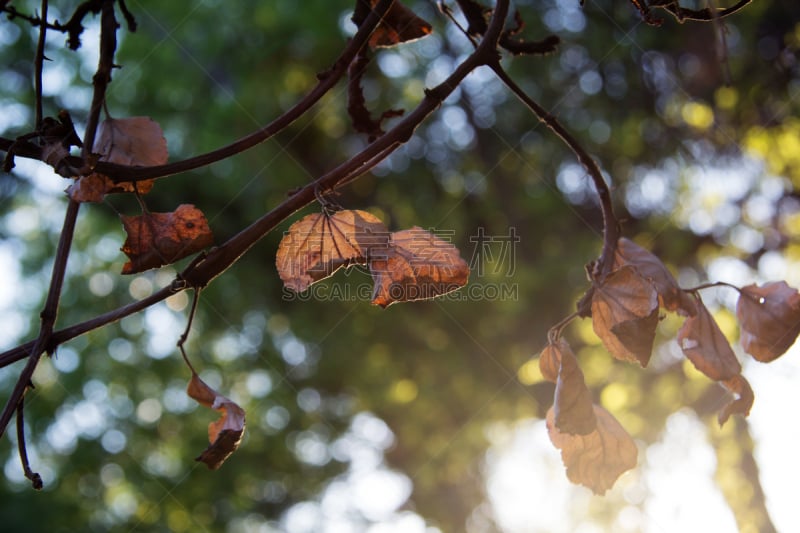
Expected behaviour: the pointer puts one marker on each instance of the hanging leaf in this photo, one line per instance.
(318, 245)
(156, 239)
(550, 359)
(417, 265)
(134, 141)
(706, 347)
(625, 315)
(573, 409)
(598, 459)
(650, 267)
(740, 405)
(770, 319)
(399, 25)
(224, 434)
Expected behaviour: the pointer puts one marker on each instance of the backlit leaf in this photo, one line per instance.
(706, 347)
(225, 433)
(770, 319)
(625, 314)
(134, 141)
(319, 244)
(598, 459)
(415, 266)
(156, 239)
(650, 267)
(573, 401)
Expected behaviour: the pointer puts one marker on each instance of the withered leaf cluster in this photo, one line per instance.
(153, 239)
(412, 264)
(625, 306)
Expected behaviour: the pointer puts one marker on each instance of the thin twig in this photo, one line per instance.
(36, 479)
(63, 335)
(611, 230)
(39, 66)
(185, 335)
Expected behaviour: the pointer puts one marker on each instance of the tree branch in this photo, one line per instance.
(101, 79)
(327, 80)
(201, 272)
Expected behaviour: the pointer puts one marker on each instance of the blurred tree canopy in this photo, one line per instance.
(695, 126)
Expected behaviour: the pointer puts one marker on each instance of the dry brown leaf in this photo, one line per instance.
(156, 239)
(573, 409)
(625, 314)
(706, 347)
(740, 405)
(399, 25)
(134, 141)
(550, 359)
(770, 319)
(595, 460)
(650, 267)
(224, 434)
(417, 265)
(318, 245)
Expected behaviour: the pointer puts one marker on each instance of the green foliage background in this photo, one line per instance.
(438, 373)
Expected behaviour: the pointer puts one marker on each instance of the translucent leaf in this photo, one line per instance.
(573, 409)
(134, 141)
(598, 459)
(770, 319)
(318, 245)
(706, 347)
(650, 267)
(416, 265)
(625, 315)
(156, 239)
(224, 434)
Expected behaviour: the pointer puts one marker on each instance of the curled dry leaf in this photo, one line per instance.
(625, 314)
(156, 239)
(318, 245)
(574, 413)
(706, 347)
(550, 359)
(224, 434)
(650, 267)
(742, 403)
(595, 460)
(416, 265)
(770, 319)
(134, 141)
(399, 25)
